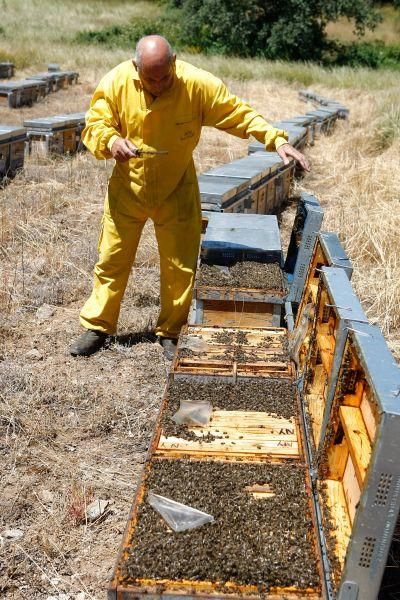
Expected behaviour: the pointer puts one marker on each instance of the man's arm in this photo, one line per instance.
(227, 112)
(102, 134)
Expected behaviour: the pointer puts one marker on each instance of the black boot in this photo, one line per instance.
(88, 343)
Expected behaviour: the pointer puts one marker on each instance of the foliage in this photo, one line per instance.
(366, 54)
(292, 30)
(127, 35)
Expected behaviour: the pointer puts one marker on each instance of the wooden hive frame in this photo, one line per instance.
(249, 435)
(209, 357)
(359, 471)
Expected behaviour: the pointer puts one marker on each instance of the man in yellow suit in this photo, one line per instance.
(150, 104)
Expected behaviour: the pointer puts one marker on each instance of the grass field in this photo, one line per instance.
(75, 430)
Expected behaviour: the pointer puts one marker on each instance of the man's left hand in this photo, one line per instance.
(286, 151)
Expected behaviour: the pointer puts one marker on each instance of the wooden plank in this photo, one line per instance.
(339, 515)
(337, 460)
(369, 416)
(326, 345)
(357, 439)
(209, 589)
(351, 488)
(261, 492)
(316, 407)
(355, 399)
(239, 433)
(319, 381)
(232, 314)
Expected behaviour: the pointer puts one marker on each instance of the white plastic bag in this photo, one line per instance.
(178, 516)
(192, 412)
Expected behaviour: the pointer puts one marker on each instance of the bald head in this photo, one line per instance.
(153, 50)
(155, 63)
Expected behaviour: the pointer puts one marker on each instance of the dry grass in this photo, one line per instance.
(387, 31)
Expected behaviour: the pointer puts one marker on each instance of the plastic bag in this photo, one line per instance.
(178, 516)
(192, 412)
(194, 344)
(298, 335)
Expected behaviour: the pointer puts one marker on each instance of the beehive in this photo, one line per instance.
(359, 474)
(336, 311)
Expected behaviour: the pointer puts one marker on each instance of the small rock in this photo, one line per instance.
(96, 509)
(12, 534)
(47, 496)
(34, 354)
(44, 312)
(80, 596)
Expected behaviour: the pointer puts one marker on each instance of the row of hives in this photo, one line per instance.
(25, 92)
(297, 464)
(60, 134)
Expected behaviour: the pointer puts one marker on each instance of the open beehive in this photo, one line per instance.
(231, 557)
(359, 476)
(328, 252)
(336, 310)
(251, 419)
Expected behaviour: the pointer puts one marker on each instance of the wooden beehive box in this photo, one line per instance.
(359, 470)
(328, 252)
(336, 310)
(251, 352)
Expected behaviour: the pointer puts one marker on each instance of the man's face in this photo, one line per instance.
(157, 78)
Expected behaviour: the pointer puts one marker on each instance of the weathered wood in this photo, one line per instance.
(351, 488)
(233, 314)
(326, 345)
(357, 439)
(337, 460)
(339, 515)
(369, 416)
(261, 492)
(316, 406)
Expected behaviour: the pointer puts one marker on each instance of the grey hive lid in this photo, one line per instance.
(11, 131)
(9, 86)
(251, 168)
(300, 120)
(242, 221)
(272, 159)
(220, 188)
(54, 122)
(260, 241)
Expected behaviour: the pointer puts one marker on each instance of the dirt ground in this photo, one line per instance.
(76, 430)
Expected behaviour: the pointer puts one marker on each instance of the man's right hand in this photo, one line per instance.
(122, 150)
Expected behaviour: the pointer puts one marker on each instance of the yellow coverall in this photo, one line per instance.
(163, 188)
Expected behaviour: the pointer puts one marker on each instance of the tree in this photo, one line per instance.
(292, 30)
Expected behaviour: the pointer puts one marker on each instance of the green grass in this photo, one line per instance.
(51, 26)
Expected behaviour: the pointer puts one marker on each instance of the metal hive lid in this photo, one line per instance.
(344, 300)
(220, 188)
(16, 85)
(331, 246)
(12, 131)
(242, 221)
(381, 370)
(251, 168)
(239, 238)
(273, 160)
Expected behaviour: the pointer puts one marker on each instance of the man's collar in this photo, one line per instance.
(135, 74)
